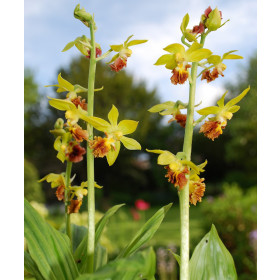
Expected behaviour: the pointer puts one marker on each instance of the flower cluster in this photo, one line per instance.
(119, 60)
(213, 128)
(179, 58)
(180, 172)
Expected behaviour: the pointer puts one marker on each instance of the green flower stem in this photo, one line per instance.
(184, 193)
(90, 158)
(67, 199)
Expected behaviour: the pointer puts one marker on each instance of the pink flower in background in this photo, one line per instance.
(142, 205)
(135, 214)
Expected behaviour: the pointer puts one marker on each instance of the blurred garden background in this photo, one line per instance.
(231, 195)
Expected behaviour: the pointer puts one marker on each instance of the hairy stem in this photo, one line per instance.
(184, 193)
(90, 158)
(67, 199)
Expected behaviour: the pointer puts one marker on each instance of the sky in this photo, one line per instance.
(50, 25)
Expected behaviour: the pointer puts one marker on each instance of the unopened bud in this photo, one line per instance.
(189, 35)
(59, 123)
(82, 15)
(214, 20)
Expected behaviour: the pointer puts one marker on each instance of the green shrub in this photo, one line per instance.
(235, 215)
(32, 189)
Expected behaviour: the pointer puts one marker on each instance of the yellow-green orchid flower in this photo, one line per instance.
(123, 52)
(178, 60)
(216, 61)
(83, 44)
(177, 167)
(72, 114)
(223, 112)
(55, 179)
(65, 86)
(115, 134)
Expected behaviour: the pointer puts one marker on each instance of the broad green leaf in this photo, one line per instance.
(184, 23)
(68, 46)
(113, 116)
(31, 267)
(136, 42)
(175, 48)
(211, 259)
(198, 55)
(164, 59)
(237, 98)
(166, 158)
(233, 56)
(113, 153)
(214, 59)
(208, 110)
(127, 126)
(221, 101)
(159, 107)
(139, 266)
(145, 233)
(130, 144)
(116, 48)
(100, 256)
(80, 254)
(78, 234)
(49, 248)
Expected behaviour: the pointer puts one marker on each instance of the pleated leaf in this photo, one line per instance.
(80, 254)
(211, 259)
(145, 233)
(139, 266)
(49, 248)
(31, 266)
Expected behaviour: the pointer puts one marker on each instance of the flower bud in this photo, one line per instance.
(214, 20)
(82, 15)
(59, 123)
(189, 35)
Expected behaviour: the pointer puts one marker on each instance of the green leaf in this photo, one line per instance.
(139, 266)
(136, 42)
(80, 254)
(208, 110)
(177, 257)
(237, 98)
(68, 46)
(145, 233)
(185, 23)
(49, 248)
(78, 234)
(100, 256)
(211, 259)
(31, 267)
